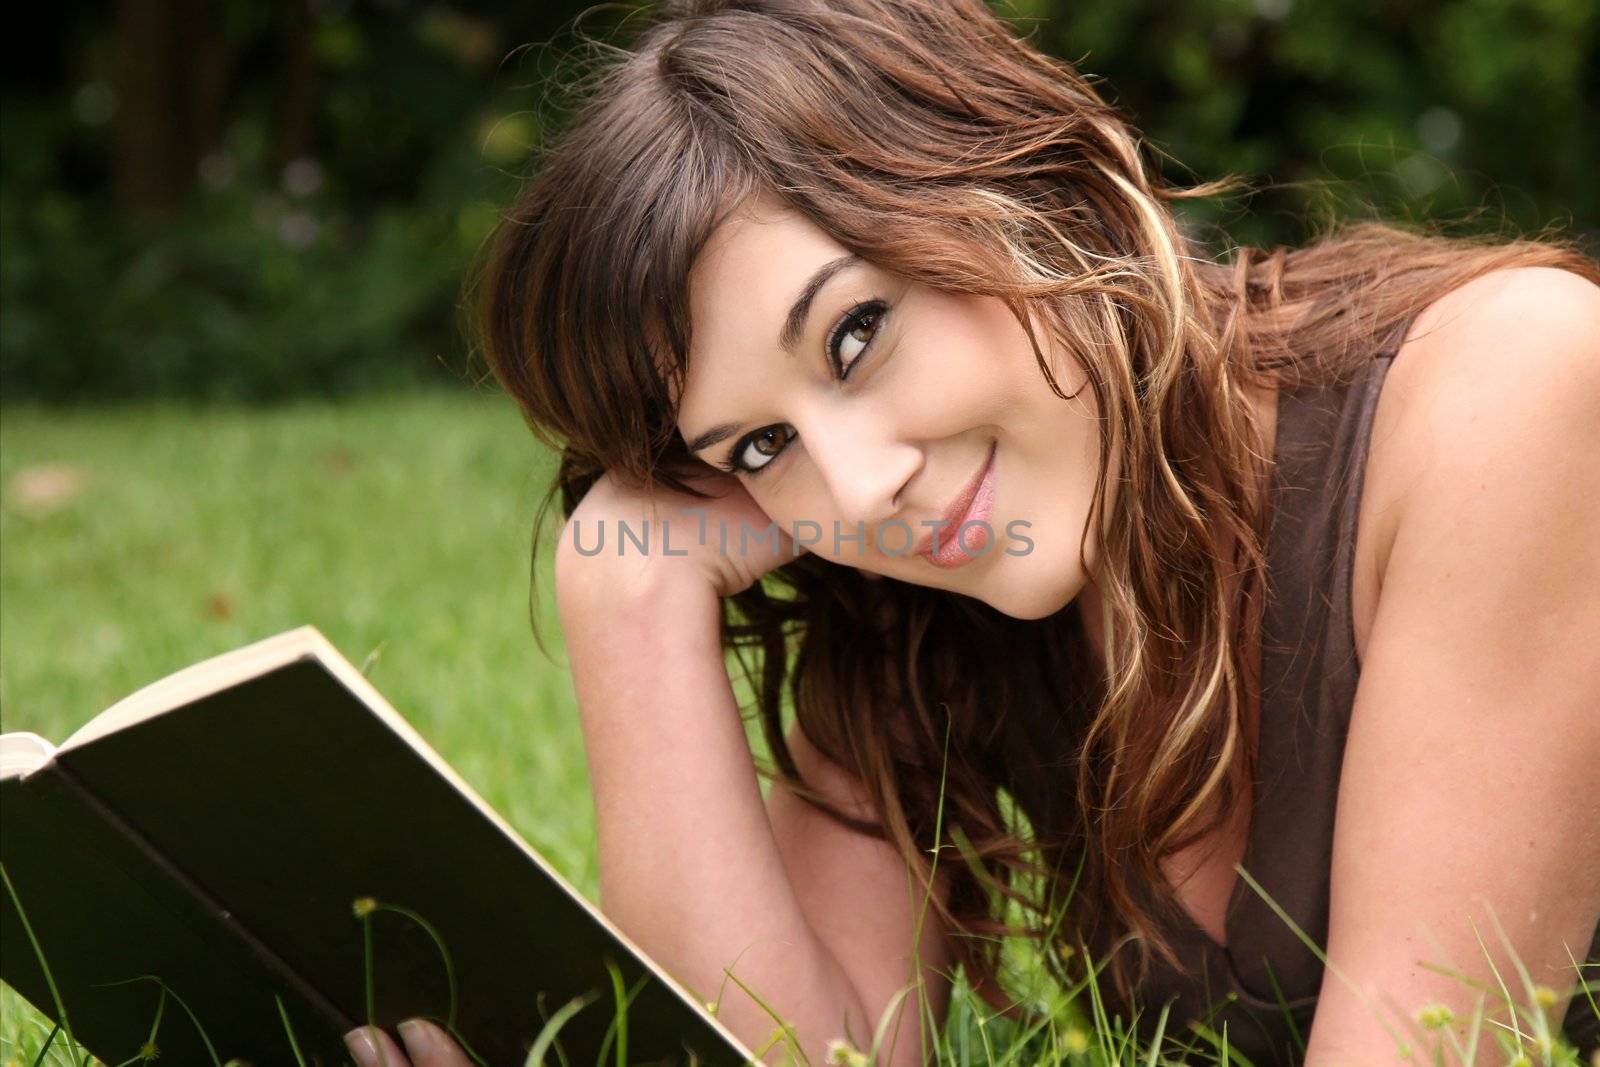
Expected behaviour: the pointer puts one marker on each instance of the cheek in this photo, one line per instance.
(972, 367)
(991, 347)
(800, 499)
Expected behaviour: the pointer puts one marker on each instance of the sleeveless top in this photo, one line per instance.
(1309, 670)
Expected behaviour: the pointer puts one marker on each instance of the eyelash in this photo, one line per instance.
(851, 319)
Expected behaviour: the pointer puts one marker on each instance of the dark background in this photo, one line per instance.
(245, 200)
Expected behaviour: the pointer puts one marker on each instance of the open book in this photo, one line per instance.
(214, 831)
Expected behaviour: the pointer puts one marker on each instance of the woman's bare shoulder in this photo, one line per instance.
(1521, 334)
(1499, 321)
(1518, 335)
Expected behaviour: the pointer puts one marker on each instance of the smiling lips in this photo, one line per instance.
(974, 503)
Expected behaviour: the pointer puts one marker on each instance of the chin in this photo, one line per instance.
(1029, 607)
(1032, 594)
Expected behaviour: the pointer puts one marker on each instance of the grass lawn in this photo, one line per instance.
(137, 540)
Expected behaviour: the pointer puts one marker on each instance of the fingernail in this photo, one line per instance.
(362, 1047)
(418, 1037)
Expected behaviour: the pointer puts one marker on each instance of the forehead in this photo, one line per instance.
(747, 276)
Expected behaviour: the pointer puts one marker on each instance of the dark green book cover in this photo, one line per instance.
(214, 831)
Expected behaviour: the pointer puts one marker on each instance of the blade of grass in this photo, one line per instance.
(884, 1020)
(444, 954)
(925, 1010)
(1161, 1029)
(48, 1041)
(786, 1031)
(1505, 991)
(618, 991)
(150, 1050)
(205, 1038)
(617, 1031)
(288, 1031)
(561, 1055)
(1288, 1016)
(1228, 1054)
(49, 979)
(548, 1033)
(1316, 950)
(1583, 985)
(363, 907)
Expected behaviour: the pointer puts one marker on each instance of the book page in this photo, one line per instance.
(22, 753)
(202, 679)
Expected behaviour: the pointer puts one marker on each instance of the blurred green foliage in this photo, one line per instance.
(1481, 113)
(247, 292)
(330, 196)
(284, 199)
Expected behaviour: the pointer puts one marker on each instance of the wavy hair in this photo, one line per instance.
(928, 138)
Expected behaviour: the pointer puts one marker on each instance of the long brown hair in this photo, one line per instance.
(928, 138)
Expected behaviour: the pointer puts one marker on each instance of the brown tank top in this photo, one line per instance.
(1264, 984)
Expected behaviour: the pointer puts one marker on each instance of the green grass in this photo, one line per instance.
(137, 540)
(398, 524)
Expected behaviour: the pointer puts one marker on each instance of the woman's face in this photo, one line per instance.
(853, 400)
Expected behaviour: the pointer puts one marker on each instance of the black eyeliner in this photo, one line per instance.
(836, 335)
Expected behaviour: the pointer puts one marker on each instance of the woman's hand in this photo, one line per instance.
(426, 1046)
(727, 540)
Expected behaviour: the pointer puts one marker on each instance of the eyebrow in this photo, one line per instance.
(793, 324)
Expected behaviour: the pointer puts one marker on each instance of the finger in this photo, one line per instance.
(371, 1047)
(430, 1046)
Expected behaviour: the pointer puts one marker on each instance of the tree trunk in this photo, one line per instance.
(173, 72)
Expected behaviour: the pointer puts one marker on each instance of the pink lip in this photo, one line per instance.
(975, 502)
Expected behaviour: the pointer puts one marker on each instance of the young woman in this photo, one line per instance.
(1284, 564)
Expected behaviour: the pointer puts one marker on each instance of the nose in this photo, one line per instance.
(864, 464)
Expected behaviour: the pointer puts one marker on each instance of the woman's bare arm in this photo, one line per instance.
(856, 892)
(689, 864)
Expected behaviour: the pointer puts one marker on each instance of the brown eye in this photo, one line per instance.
(768, 442)
(764, 442)
(854, 335)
